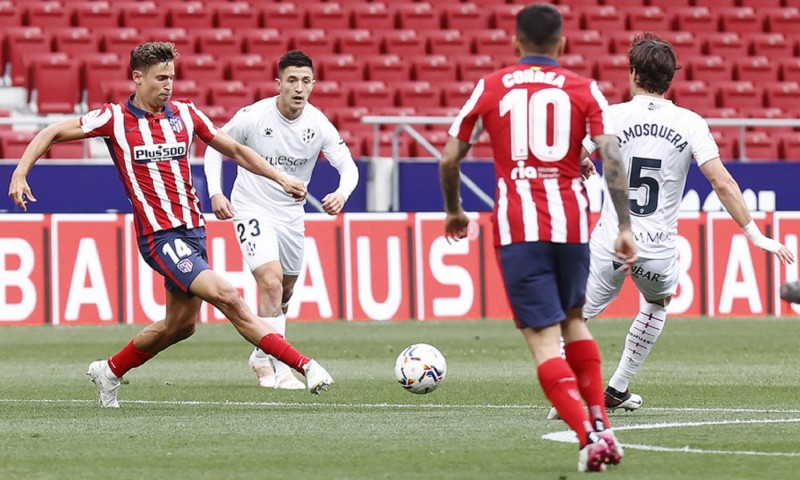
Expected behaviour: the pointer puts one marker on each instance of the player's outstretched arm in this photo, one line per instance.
(252, 161)
(456, 222)
(212, 167)
(64, 131)
(731, 197)
(617, 182)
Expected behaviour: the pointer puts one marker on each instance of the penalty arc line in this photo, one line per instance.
(568, 436)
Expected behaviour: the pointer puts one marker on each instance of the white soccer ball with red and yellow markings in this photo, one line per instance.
(420, 368)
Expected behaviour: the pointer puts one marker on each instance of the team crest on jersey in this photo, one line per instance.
(176, 123)
(185, 265)
(308, 135)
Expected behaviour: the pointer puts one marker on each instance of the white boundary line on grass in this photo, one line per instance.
(568, 436)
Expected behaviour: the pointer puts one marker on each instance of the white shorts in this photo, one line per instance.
(655, 278)
(263, 240)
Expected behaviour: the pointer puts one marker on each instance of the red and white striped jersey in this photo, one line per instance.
(536, 114)
(150, 152)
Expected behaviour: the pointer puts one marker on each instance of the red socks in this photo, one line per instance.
(584, 358)
(128, 358)
(274, 344)
(559, 385)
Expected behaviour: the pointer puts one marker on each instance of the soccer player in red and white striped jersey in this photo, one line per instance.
(536, 114)
(149, 137)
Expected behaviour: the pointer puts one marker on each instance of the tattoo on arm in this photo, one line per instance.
(451, 179)
(614, 173)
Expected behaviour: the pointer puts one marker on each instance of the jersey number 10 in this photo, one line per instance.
(530, 126)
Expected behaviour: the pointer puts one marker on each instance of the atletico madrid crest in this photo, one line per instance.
(177, 124)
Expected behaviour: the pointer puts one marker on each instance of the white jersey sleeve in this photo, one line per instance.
(212, 159)
(704, 147)
(338, 154)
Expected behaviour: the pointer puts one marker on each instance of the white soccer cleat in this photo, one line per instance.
(287, 381)
(317, 378)
(553, 414)
(99, 374)
(267, 378)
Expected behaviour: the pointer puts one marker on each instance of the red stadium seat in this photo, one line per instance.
(433, 68)
(694, 95)
(465, 17)
(738, 94)
(436, 139)
(47, 15)
(784, 20)
(603, 18)
(589, 43)
(313, 42)
(184, 43)
(755, 69)
(356, 42)
(694, 19)
(328, 96)
(570, 19)
(369, 94)
(20, 43)
(715, 3)
(759, 146)
(620, 42)
(339, 67)
(647, 19)
(13, 143)
(67, 151)
(372, 16)
(785, 95)
(416, 94)
(419, 16)
(614, 92)
(613, 68)
(446, 42)
(723, 44)
(455, 94)
(327, 16)
(490, 42)
(790, 146)
(354, 142)
(266, 42)
(385, 145)
(668, 5)
(230, 94)
(709, 68)
(248, 68)
(759, 4)
(386, 68)
(115, 91)
(234, 15)
(472, 67)
(56, 84)
(119, 40)
(75, 40)
(202, 68)
(685, 44)
(349, 119)
(94, 15)
(725, 143)
(283, 16)
(504, 16)
(10, 15)
(772, 45)
(576, 63)
(97, 68)
(739, 19)
(405, 43)
(142, 15)
(189, 15)
(768, 113)
(190, 90)
(218, 42)
(789, 69)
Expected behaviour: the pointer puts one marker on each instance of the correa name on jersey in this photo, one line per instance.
(159, 152)
(533, 75)
(653, 130)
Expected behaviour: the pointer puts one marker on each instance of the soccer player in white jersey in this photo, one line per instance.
(658, 140)
(148, 137)
(290, 133)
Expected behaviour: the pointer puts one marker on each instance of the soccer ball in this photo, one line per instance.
(420, 368)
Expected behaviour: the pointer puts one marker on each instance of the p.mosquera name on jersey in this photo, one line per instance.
(150, 153)
(536, 114)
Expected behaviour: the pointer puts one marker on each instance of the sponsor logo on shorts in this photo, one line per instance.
(185, 265)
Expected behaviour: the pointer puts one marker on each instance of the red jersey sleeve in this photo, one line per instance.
(98, 123)
(464, 124)
(599, 119)
(203, 127)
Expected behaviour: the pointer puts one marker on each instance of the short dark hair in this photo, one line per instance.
(152, 53)
(539, 27)
(653, 61)
(294, 58)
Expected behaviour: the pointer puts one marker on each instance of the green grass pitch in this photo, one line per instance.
(722, 401)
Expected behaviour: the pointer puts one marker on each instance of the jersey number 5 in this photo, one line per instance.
(532, 120)
(650, 183)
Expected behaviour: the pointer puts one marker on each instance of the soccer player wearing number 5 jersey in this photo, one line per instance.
(536, 114)
(657, 140)
(149, 136)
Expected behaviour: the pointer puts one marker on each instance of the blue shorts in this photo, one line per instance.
(179, 254)
(543, 280)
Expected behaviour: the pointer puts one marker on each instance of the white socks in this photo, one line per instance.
(279, 324)
(642, 335)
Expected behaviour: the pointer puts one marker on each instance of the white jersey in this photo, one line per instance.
(291, 146)
(657, 140)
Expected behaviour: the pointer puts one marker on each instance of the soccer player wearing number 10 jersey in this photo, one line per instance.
(657, 140)
(536, 114)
